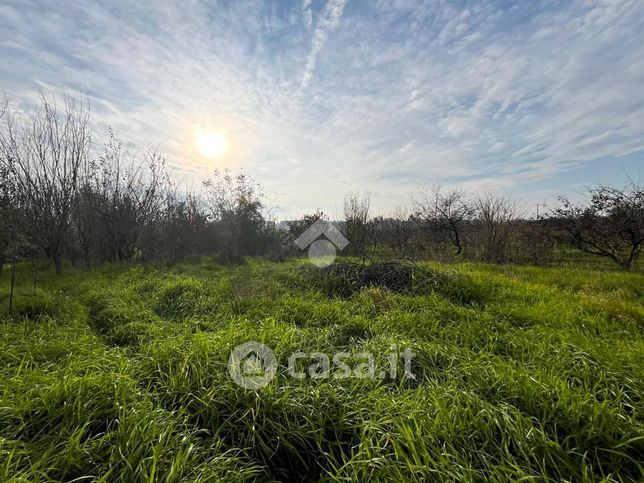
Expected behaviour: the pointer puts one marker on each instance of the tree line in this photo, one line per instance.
(451, 224)
(61, 202)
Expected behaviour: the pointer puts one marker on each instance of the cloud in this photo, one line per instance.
(321, 98)
(329, 21)
(307, 13)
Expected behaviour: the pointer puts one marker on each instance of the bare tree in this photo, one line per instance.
(42, 155)
(128, 195)
(356, 216)
(444, 212)
(610, 224)
(85, 222)
(497, 213)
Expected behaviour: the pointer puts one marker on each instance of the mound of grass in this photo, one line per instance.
(350, 278)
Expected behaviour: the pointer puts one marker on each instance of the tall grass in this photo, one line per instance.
(522, 373)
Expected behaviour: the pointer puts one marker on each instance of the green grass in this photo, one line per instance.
(522, 373)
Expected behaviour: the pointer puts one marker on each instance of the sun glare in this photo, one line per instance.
(212, 144)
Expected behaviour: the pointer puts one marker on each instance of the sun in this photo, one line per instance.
(212, 144)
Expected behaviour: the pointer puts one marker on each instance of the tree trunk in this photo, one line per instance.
(13, 281)
(457, 241)
(58, 264)
(88, 261)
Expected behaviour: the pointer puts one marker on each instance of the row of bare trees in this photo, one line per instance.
(451, 223)
(62, 200)
(483, 226)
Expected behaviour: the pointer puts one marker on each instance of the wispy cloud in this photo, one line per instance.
(329, 21)
(307, 13)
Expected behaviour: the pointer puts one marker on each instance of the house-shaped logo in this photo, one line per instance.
(322, 251)
(252, 365)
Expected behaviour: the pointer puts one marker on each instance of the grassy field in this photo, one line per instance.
(121, 375)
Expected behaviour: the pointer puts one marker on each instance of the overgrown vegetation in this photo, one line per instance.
(64, 200)
(118, 373)
(522, 373)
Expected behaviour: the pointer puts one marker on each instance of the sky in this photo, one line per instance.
(319, 98)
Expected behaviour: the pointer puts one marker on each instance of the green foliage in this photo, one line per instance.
(521, 373)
